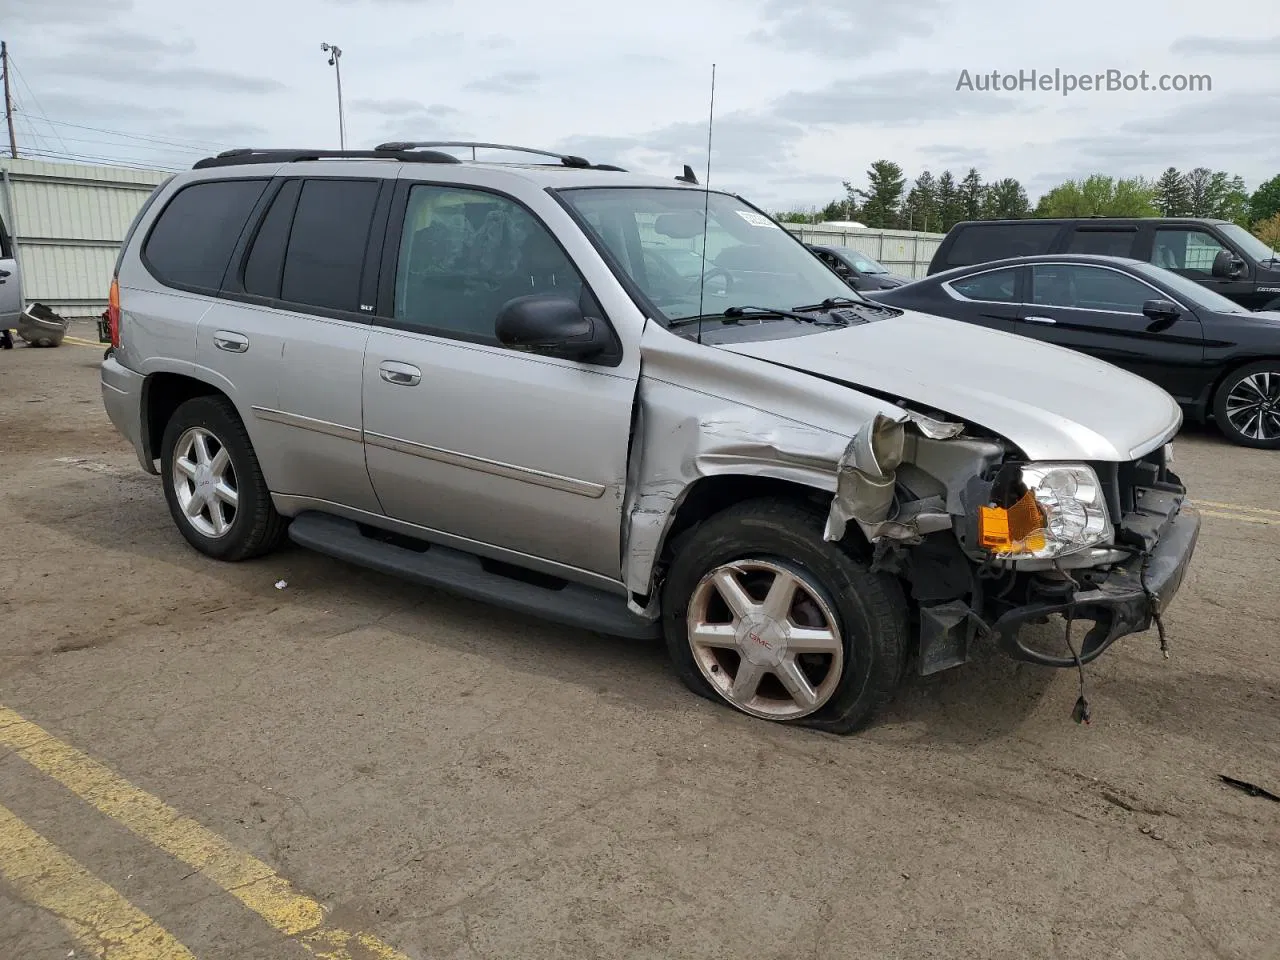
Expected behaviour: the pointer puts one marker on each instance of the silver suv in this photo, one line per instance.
(631, 405)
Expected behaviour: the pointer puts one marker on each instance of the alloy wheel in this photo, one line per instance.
(765, 640)
(204, 480)
(1253, 406)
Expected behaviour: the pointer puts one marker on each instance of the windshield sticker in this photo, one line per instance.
(755, 219)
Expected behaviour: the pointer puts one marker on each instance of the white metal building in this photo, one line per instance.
(68, 220)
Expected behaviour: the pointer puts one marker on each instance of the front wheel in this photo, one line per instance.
(1247, 405)
(213, 483)
(763, 615)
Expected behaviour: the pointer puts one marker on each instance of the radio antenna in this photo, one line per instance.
(706, 203)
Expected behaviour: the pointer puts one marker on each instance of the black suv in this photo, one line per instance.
(1218, 254)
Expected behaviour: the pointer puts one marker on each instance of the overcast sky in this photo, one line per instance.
(808, 92)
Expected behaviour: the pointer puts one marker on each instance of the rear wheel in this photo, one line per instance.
(763, 615)
(213, 483)
(1247, 405)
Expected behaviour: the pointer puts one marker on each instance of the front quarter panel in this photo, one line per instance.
(706, 412)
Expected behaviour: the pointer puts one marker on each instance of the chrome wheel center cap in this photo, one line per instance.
(204, 481)
(762, 641)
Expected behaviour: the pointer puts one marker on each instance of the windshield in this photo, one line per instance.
(861, 262)
(1190, 290)
(1249, 245)
(656, 236)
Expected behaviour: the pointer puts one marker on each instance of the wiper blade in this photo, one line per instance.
(831, 303)
(746, 310)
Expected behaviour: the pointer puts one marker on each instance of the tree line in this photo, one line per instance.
(936, 203)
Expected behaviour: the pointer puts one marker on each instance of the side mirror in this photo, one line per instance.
(551, 325)
(1227, 266)
(1161, 310)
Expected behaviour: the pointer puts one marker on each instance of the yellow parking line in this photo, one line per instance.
(1241, 517)
(101, 921)
(84, 343)
(1239, 507)
(245, 877)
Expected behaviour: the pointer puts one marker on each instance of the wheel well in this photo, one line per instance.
(711, 495)
(1222, 377)
(163, 394)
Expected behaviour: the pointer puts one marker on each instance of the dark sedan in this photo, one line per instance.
(857, 269)
(1215, 357)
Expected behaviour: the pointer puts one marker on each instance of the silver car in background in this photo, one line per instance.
(632, 405)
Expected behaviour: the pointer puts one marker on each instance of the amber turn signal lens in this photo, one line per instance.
(1019, 529)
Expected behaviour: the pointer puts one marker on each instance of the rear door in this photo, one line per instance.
(288, 331)
(10, 281)
(991, 298)
(1106, 241)
(1098, 310)
(973, 243)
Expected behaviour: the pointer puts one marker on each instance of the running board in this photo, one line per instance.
(571, 604)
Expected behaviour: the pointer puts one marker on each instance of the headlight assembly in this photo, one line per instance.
(1045, 510)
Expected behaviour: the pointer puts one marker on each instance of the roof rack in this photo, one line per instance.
(567, 160)
(248, 155)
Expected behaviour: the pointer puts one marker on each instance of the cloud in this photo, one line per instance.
(69, 12)
(1226, 46)
(507, 82)
(845, 28)
(894, 98)
(120, 41)
(947, 155)
(401, 107)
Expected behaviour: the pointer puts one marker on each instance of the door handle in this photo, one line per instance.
(231, 342)
(399, 374)
(1040, 320)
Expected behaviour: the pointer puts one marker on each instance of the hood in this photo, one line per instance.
(1054, 403)
(887, 281)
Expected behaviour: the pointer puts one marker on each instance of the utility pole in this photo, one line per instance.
(335, 54)
(8, 100)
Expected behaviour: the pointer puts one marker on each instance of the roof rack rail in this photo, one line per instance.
(568, 160)
(241, 155)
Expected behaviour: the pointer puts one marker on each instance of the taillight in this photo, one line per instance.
(113, 312)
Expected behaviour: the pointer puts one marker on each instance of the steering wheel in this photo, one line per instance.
(712, 271)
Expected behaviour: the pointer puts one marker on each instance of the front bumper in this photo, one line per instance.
(1124, 601)
(122, 398)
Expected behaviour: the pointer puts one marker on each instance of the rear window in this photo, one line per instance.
(982, 243)
(195, 235)
(1106, 243)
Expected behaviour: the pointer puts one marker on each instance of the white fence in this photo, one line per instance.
(907, 252)
(68, 221)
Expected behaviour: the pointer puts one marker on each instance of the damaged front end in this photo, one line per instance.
(990, 544)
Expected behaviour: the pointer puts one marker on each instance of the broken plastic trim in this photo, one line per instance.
(866, 481)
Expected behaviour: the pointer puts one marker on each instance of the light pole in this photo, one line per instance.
(335, 54)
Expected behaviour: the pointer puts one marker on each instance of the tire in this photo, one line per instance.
(1254, 383)
(862, 663)
(251, 526)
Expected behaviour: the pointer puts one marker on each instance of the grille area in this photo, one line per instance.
(1122, 481)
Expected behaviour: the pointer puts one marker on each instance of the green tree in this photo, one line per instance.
(1099, 196)
(971, 194)
(1265, 202)
(920, 211)
(1005, 200)
(950, 209)
(1228, 198)
(1268, 230)
(883, 196)
(1199, 201)
(837, 210)
(1173, 197)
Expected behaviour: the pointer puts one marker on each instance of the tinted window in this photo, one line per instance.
(464, 253)
(1182, 249)
(1106, 243)
(998, 285)
(192, 241)
(266, 256)
(1088, 288)
(328, 242)
(981, 243)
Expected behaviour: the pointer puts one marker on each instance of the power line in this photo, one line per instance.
(175, 142)
(23, 80)
(57, 155)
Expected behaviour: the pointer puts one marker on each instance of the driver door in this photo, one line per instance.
(496, 447)
(1190, 252)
